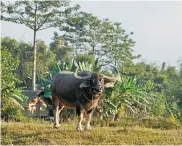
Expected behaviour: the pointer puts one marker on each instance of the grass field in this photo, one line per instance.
(44, 134)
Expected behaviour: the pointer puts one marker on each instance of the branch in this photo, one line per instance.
(31, 7)
(102, 55)
(43, 22)
(29, 26)
(26, 3)
(103, 65)
(46, 27)
(26, 23)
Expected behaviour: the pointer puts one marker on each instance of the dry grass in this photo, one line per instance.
(44, 134)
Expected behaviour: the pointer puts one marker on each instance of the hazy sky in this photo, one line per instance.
(157, 26)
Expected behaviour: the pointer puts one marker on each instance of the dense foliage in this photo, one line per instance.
(146, 90)
(11, 98)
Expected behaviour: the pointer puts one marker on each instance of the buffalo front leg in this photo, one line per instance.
(79, 113)
(88, 119)
(79, 125)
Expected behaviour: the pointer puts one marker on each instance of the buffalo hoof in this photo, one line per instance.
(88, 128)
(56, 126)
(79, 129)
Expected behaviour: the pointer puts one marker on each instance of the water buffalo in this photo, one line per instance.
(78, 90)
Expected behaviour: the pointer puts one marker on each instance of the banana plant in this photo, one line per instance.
(83, 66)
(45, 82)
(127, 93)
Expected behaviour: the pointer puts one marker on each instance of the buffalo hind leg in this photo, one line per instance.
(56, 123)
(88, 119)
(56, 112)
(61, 107)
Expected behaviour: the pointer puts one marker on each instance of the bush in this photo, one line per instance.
(10, 111)
(11, 97)
(85, 58)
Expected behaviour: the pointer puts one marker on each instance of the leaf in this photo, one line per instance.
(131, 108)
(18, 104)
(58, 69)
(47, 93)
(145, 100)
(16, 96)
(76, 64)
(128, 102)
(80, 66)
(110, 103)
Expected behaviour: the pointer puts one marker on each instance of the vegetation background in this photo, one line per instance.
(148, 95)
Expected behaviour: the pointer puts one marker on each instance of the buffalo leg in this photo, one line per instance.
(79, 113)
(88, 119)
(61, 107)
(80, 118)
(56, 112)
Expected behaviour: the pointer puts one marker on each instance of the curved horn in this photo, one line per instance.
(115, 69)
(79, 77)
(118, 77)
(112, 79)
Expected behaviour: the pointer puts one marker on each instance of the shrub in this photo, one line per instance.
(11, 98)
(9, 110)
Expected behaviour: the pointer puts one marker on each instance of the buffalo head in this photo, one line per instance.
(96, 81)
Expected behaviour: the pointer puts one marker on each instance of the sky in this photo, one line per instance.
(157, 27)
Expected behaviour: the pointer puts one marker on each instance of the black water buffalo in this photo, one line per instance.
(78, 90)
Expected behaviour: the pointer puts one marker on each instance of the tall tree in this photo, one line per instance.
(60, 49)
(106, 41)
(38, 15)
(23, 51)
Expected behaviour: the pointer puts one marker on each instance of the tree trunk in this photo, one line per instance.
(34, 51)
(34, 63)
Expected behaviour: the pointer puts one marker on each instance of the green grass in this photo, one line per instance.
(44, 134)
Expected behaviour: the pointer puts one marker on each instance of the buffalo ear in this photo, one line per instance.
(108, 84)
(85, 84)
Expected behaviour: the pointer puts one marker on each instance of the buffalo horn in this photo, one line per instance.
(112, 79)
(78, 77)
